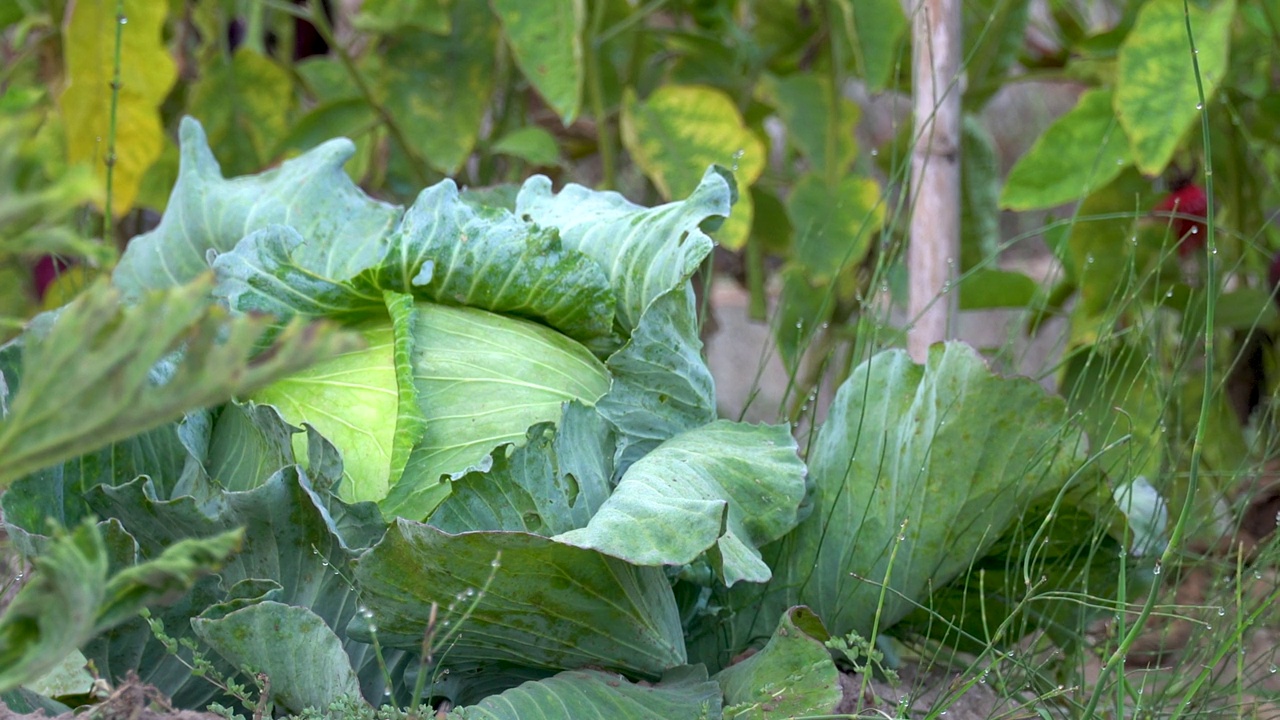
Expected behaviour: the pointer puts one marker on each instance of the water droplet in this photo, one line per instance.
(1169, 293)
(1222, 611)
(373, 628)
(1199, 106)
(951, 261)
(875, 152)
(1273, 669)
(1156, 569)
(324, 563)
(1257, 575)
(124, 20)
(386, 693)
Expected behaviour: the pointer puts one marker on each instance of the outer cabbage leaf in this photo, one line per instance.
(292, 645)
(482, 380)
(298, 540)
(444, 250)
(552, 484)
(543, 607)
(346, 231)
(791, 676)
(917, 471)
(683, 693)
(662, 386)
(726, 487)
(644, 251)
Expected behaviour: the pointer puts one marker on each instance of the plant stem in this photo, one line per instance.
(108, 213)
(595, 87)
(1202, 423)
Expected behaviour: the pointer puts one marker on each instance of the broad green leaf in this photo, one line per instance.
(1156, 98)
(875, 31)
(724, 488)
(448, 251)
(344, 229)
(531, 144)
(346, 117)
(291, 645)
(645, 252)
(543, 607)
(445, 251)
(792, 676)
(437, 87)
(244, 103)
(917, 470)
(298, 546)
(1117, 392)
(249, 443)
(67, 407)
(675, 133)
(146, 74)
(661, 385)
(555, 482)
(834, 225)
(482, 380)
(683, 694)
(803, 307)
(546, 40)
(803, 101)
(990, 288)
(994, 35)
(1079, 153)
(388, 16)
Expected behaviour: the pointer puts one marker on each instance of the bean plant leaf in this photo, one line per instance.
(791, 676)
(437, 87)
(67, 407)
(675, 133)
(911, 487)
(415, 565)
(726, 488)
(683, 693)
(345, 230)
(546, 42)
(834, 224)
(1079, 153)
(1156, 97)
(388, 16)
(292, 645)
(244, 103)
(875, 30)
(803, 101)
(146, 73)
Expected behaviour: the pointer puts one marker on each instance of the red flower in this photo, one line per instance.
(1187, 199)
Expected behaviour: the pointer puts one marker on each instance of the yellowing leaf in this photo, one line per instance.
(244, 105)
(546, 41)
(146, 74)
(681, 129)
(1156, 96)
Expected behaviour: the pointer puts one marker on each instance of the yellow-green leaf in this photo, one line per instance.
(1156, 96)
(1081, 152)
(147, 72)
(834, 225)
(675, 133)
(244, 106)
(546, 40)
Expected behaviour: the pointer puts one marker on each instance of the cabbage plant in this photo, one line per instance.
(505, 483)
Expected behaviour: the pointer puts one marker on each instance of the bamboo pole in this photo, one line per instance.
(934, 246)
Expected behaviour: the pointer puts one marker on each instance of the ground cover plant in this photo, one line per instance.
(355, 441)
